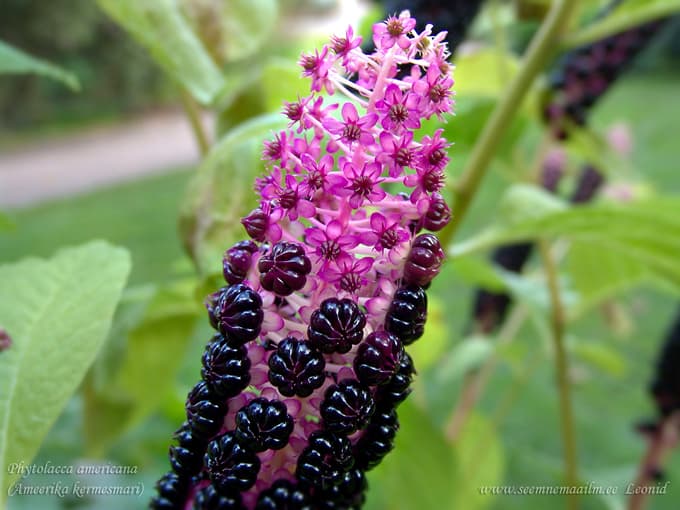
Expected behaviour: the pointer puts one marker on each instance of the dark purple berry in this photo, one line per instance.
(185, 461)
(438, 214)
(407, 314)
(336, 326)
(239, 313)
(226, 368)
(350, 493)
(296, 368)
(209, 499)
(188, 438)
(237, 260)
(377, 440)
(231, 466)
(378, 358)
(256, 224)
(283, 495)
(171, 489)
(347, 407)
(205, 414)
(284, 269)
(263, 425)
(324, 462)
(398, 388)
(424, 260)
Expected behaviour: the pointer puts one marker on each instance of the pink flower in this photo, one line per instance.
(349, 274)
(384, 234)
(363, 184)
(399, 111)
(396, 153)
(393, 31)
(435, 91)
(341, 46)
(354, 128)
(316, 66)
(330, 243)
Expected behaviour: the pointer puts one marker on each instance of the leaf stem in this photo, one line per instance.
(193, 112)
(562, 371)
(538, 54)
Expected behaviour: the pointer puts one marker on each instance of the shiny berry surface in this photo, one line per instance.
(209, 499)
(399, 387)
(171, 491)
(296, 368)
(237, 261)
(256, 224)
(324, 462)
(336, 326)
(378, 439)
(226, 368)
(347, 407)
(185, 461)
(239, 313)
(350, 493)
(424, 260)
(205, 413)
(407, 313)
(438, 214)
(231, 466)
(378, 358)
(283, 495)
(263, 425)
(284, 269)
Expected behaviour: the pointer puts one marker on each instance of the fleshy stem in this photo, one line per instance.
(540, 50)
(661, 441)
(194, 115)
(562, 371)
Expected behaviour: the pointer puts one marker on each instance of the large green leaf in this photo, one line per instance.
(144, 352)
(627, 15)
(221, 191)
(647, 230)
(421, 470)
(58, 312)
(15, 61)
(160, 27)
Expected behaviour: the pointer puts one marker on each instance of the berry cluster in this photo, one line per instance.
(301, 382)
(584, 75)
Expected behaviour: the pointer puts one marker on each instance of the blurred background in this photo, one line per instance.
(113, 160)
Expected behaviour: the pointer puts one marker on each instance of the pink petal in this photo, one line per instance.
(349, 112)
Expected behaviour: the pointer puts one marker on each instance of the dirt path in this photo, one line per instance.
(84, 161)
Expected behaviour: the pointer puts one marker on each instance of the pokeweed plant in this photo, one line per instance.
(301, 382)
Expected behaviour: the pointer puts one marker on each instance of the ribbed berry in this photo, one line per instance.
(347, 407)
(438, 214)
(284, 269)
(424, 260)
(349, 494)
(226, 368)
(239, 313)
(231, 466)
(185, 461)
(263, 425)
(324, 462)
(171, 490)
(378, 358)
(336, 326)
(378, 439)
(205, 413)
(209, 499)
(407, 313)
(296, 368)
(283, 495)
(188, 438)
(237, 261)
(256, 224)
(399, 387)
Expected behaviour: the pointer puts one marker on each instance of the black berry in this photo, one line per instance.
(239, 313)
(398, 388)
(378, 358)
(296, 368)
(347, 407)
(263, 425)
(378, 439)
(231, 466)
(284, 269)
(171, 489)
(283, 495)
(237, 261)
(348, 494)
(324, 462)
(336, 326)
(205, 414)
(407, 313)
(185, 461)
(424, 260)
(226, 367)
(209, 499)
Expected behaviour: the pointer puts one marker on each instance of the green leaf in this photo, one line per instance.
(281, 82)
(221, 191)
(627, 15)
(484, 72)
(6, 222)
(480, 460)
(159, 26)
(601, 356)
(15, 61)
(58, 312)
(436, 339)
(144, 353)
(647, 230)
(478, 272)
(468, 355)
(523, 202)
(420, 470)
(247, 25)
